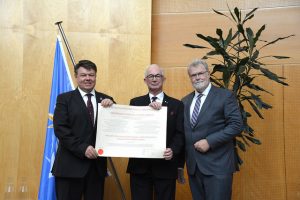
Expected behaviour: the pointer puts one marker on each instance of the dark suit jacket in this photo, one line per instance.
(75, 132)
(219, 121)
(161, 168)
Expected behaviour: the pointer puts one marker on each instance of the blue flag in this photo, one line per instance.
(61, 82)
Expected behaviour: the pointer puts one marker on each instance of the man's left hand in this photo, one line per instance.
(106, 103)
(168, 154)
(202, 146)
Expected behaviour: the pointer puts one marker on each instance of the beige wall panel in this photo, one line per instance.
(38, 62)
(121, 60)
(33, 108)
(177, 82)
(10, 131)
(41, 15)
(177, 6)
(107, 32)
(171, 31)
(111, 189)
(292, 127)
(262, 175)
(11, 14)
(109, 17)
(11, 59)
(11, 64)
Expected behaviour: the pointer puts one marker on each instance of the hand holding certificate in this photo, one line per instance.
(131, 131)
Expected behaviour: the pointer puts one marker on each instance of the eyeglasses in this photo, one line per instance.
(198, 74)
(152, 76)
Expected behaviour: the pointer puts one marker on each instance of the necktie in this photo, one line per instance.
(90, 107)
(154, 99)
(196, 110)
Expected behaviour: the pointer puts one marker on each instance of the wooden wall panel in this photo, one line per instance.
(106, 32)
(292, 127)
(270, 171)
(179, 6)
(264, 165)
(171, 31)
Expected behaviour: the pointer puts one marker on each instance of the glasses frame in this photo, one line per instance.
(200, 74)
(152, 76)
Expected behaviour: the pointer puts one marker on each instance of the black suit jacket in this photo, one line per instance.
(75, 132)
(162, 168)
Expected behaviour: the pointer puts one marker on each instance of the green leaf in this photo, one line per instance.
(241, 29)
(259, 102)
(281, 57)
(255, 109)
(236, 85)
(194, 46)
(218, 68)
(228, 39)
(249, 15)
(272, 76)
(219, 13)
(231, 14)
(226, 78)
(255, 55)
(241, 68)
(257, 88)
(257, 35)
(212, 53)
(253, 140)
(219, 32)
(251, 40)
(274, 41)
(241, 145)
(213, 80)
(237, 14)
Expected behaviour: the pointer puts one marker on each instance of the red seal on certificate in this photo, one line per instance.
(100, 151)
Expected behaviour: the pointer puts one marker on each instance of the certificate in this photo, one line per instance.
(131, 131)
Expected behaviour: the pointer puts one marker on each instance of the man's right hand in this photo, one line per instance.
(91, 152)
(155, 105)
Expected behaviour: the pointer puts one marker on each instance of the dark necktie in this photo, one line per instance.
(154, 99)
(196, 110)
(90, 107)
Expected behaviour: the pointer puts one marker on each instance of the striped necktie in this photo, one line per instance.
(196, 110)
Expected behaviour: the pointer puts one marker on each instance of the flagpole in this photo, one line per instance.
(66, 42)
(114, 172)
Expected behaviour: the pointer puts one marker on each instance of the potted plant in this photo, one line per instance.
(237, 63)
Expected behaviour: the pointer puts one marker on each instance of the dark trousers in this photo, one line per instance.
(144, 186)
(90, 187)
(210, 187)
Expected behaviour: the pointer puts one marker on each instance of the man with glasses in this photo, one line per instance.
(211, 121)
(157, 177)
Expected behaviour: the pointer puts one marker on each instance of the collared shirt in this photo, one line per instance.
(93, 99)
(160, 97)
(205, 93)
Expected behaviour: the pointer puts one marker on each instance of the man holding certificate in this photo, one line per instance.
(158, 175)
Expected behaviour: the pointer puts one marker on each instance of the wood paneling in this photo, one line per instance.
(106, 32)
(271, 170)
(116, 36)
(171, 31)
(292, 127)
(188, 6)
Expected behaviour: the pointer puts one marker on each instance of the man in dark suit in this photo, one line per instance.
(158, 175)
(78, 170)
(211, 121)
